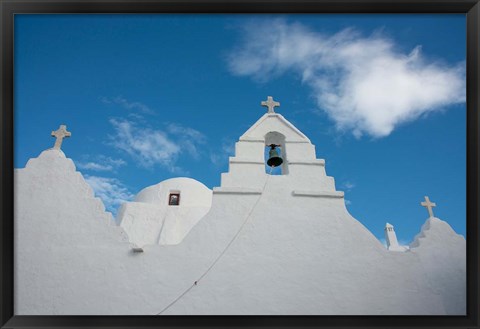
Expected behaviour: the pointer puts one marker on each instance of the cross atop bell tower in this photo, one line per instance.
(270, 103)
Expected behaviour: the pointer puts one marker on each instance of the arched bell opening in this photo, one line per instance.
(275, 154)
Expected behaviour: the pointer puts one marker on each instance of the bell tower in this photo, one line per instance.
(300, 169)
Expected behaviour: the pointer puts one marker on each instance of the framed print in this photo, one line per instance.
(240, 164)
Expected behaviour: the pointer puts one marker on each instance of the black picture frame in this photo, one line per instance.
(8, 9)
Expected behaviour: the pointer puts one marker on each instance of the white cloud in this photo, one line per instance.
(188, 138)
(348, 186)
(150, 147)
(102, 163)
(146, 145)
(129, 105)
(365, 84)
(112, 192)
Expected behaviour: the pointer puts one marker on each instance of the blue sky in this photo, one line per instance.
(151, 97)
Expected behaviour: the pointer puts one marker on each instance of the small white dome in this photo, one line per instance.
(192, 193)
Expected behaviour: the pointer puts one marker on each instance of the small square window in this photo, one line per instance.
(174, 199)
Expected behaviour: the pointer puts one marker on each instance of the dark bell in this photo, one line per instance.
(274, 161)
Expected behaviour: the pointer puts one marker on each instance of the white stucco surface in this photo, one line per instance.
(268, 245)
(151, 220)
(442, 252)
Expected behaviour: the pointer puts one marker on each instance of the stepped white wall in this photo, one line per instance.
(299, 251)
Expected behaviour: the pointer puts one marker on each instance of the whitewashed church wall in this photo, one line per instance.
(286, 260)
(142, 222)
(178, 222)
(300, 176)
(244, 175)
(274, 123)
(299, 151)
(254, 151)
(442, 253)
(268, 245)
(310, 177)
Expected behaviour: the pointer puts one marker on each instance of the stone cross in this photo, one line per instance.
(427, 204)
(270, 103)
(60, 134)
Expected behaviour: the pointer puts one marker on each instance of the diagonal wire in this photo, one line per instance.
(222, 253)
